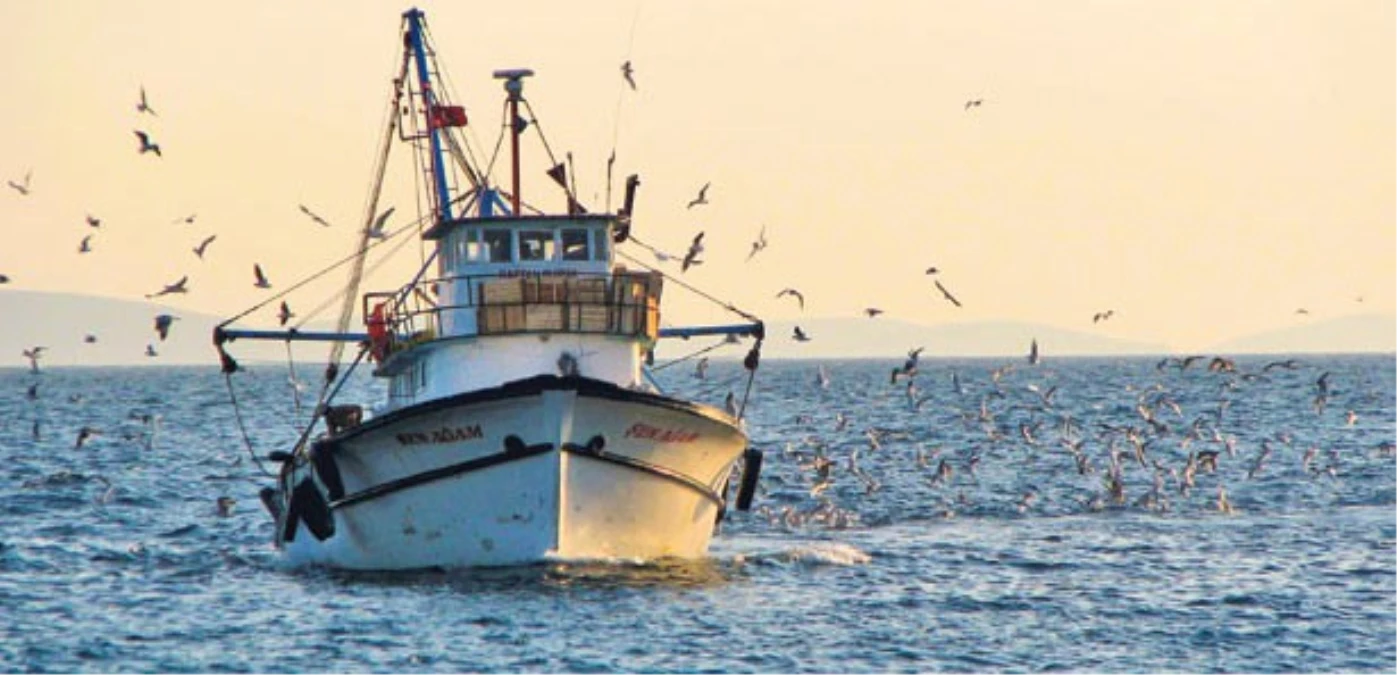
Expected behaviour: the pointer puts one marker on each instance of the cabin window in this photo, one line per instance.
(575, 245)
(496, 245)
(601, 239)
(535, 245)
(469, 250)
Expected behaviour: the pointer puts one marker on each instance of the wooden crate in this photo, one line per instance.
(500, 319)
(543, 317)
(502, 291)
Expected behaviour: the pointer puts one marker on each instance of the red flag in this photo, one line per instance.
(447, 116)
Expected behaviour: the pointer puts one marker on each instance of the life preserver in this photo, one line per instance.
(378, 333)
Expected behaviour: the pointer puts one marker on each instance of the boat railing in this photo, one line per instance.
(619, 303)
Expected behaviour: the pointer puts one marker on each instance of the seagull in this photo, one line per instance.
(872, 312)
(313, 215)
(799, 335)
(1288, 364)
(22, 188)
(4, 279)
(759, 244)
(162, 325)
(1302, 310)
(261, 278)
(94, 221)
(1102, 316)
(83, 435)
(691, 258)
(147, 145)
(187, 220)
(144, 105)
(932, 270)
(224, 506)
(33, 392)
(702, 197)
(701, 369)
(89, 338)
(794, 292)
(909, 367)
(86, 245)
(33, 356)
(284, 314)
(1033, 357)
(150, 350)
(204, 245)
(177, 287)
(376, 230)
(629, 73)
(974, 103)
(947, 293)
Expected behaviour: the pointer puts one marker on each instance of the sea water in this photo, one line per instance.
(996, 517)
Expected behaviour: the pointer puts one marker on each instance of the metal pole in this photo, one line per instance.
(414, 21)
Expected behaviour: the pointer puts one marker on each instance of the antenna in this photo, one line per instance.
(514, 85)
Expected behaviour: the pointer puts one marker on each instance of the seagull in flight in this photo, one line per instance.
(162, 325)
(144, 105)
(376, 230)
(872, 312)
(799, 335)
(187, 220)
(4, 279)
(86, 245)
(974, 103)
(702, 197)
(759, 244)
(94, 221)
(84, 434)
(947, 293)
(177, 287)
(261, 278)
(628, 72)
(148, 145)
(313, 215)
(1102, 316)
(691, 258)
(932, 270)
(284, 314)
(33, 355)
(150, 351)
(793, 292)
(204, 245)
(22, 188)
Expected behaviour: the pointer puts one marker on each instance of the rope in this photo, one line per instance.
(242, 427)
(725, 305)
(688, 357)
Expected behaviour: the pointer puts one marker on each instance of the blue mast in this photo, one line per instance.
(414, 18)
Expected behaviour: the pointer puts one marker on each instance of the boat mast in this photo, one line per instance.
(514, 85)
(415, 18)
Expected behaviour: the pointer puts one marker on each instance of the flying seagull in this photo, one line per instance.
(177, 287)
(86, 245)
(702, 197)
(629, 73)
(144, 105)
(872, 312)
(932, 270)
(261, 278)
(33, 355)
(376, 230)
(284, 314)
(150, 351)
(84, 434)
(204, 245)
(89, 338)
(1033, 357)
(22, 188)
(1102, 316)
(147, 145)
(691, 258)
(947, 293)
(4, 279)
(162, 325)
(799, 335)
(794, 292)
(759, 244)
(187, 220)
(94, 221)
(313, 215)
(974, 103)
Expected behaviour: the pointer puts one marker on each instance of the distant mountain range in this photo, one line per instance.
(123, 328)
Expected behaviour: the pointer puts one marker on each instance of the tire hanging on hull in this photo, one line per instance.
(308, 505)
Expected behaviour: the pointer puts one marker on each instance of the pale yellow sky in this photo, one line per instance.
(1203, 168)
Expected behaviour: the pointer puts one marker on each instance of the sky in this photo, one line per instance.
(1204, 169)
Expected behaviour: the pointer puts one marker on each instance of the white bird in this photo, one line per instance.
(22, 188)
(691, 258)
(261, 281)
(144, 105)
(177, 287)
(148, 145)
(702, 197)
(759, 244)
(313, 215)
(376, 230)
(204, 245)
(33, 355)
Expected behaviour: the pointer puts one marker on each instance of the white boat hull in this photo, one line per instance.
(543, 469)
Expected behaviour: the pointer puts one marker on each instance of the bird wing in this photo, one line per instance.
(257, 271)
(145, 140)
(947, 293)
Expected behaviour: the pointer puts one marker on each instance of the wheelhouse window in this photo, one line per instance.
(575, 245)
(601, 241)
(496, 245)
(536, 245)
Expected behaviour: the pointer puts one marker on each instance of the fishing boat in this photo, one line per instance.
(520, 423)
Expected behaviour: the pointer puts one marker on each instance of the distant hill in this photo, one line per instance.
(883, 338)
(123, 328)
(1370, 333)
